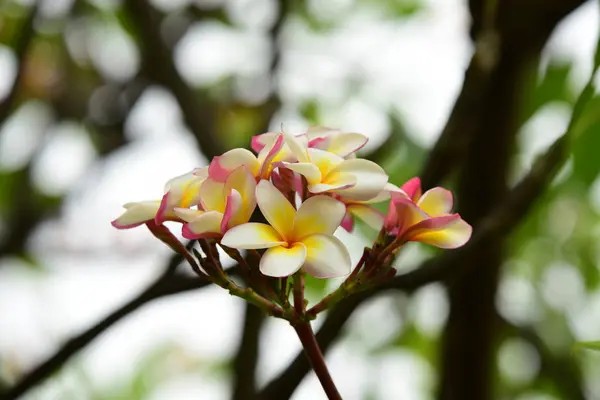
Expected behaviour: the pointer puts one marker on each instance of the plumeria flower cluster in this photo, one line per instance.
(283, 203)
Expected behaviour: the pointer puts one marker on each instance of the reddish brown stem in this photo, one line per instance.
(316, 359)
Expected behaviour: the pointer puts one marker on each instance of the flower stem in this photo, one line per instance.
(316, 359)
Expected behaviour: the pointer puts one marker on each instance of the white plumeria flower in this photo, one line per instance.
(354, 179)
(223, 205)
(136, 214)
(181, 191)
(294, 239)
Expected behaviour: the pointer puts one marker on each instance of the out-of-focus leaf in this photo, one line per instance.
(594, 345)
(553, 86)
(315, 287)
(586, 142)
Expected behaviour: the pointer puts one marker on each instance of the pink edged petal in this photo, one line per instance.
(318, 143)
(276, 209)
(267, 154)
(212, 195)
(308, 170)
(282, 261)
(221, 166)
(258, 142)
(368, 215)
(216, 171)
(326, 256)
(405, 214)
(436, 202)
(164, 208)
(448, 232)
(242, 181)
(136, 214)
(343, 144)
(412, 188)
(252, 235)
(318, 214)
(232, 209)
(348, 222)
(340, 184)
(207, 224)
(370, 179)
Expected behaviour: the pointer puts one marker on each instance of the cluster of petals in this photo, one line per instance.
(306, 186)
(414, 216)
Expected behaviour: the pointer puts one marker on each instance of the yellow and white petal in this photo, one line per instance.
(370, 179)
(308, 170)
(452, 235)
(136, 214)
(187, 214)
(326, 256)
(276, 208)
(206, 224)
(242, 181)
(282, 261)
(324, 160)
(334, 183)
(252, 235)
(318, 214)
(180, 181)
(404, 214)
(367, 214)
(213, 196)
(436, 202)
(298, 147)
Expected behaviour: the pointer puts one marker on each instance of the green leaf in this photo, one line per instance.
(586, 142)
(594, 345)
(553, 86)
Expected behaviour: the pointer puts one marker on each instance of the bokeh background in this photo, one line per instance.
(103, 101)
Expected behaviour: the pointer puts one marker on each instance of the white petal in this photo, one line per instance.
(319, 132)
(318, 214)
(187, 214)
(252, 235)
(136, 214)
(282, 261)
(276, 208)
(206, 223)
(326, 257)
(368, 215)
(370, 179)
(344, 144)
(308, 170)
(297, 146)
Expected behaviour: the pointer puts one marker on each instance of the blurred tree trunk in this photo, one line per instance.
(509, 40)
